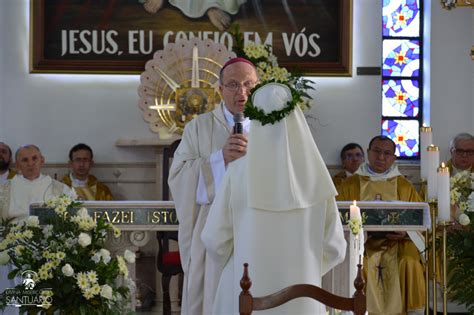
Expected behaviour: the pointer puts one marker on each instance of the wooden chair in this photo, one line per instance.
(248, 303)
(168, 262)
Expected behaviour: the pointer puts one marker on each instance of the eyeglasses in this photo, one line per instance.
(351, 156)
(462, 152)
(379, 152)
(234, 85)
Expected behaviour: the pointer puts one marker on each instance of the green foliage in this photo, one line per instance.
(66, 249)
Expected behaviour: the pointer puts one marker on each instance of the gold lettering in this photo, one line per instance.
(116, 219)
(125, 217)
(156, 217)
(164, 213)
(106, 216)
(131, 216)
(97, 215)
(173, 217)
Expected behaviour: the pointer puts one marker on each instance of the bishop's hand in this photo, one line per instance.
(234, 148)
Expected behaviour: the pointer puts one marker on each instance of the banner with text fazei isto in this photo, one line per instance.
(126, 215)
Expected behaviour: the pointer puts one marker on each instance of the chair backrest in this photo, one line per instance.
(168, 153)
(248, 303)
(167, 262)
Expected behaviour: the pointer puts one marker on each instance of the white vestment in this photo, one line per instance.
(282, 248)
(21, 192)
(202, 137)
(197, 8)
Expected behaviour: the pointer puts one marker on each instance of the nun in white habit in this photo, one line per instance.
(275, 210)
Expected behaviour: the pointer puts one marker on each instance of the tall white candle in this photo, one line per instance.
(433, 163)
(354, 211)
(444, 209)
(426, 138)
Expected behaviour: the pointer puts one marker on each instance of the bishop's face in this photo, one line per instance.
(29, 162)
(237, 81)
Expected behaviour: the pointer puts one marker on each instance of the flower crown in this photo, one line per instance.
(269, 71)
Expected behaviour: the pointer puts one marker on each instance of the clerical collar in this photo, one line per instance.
(230, 120)
(39, 178)
(77, 182)
(365, 170)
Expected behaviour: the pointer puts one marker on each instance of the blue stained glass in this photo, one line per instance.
(405, 134)
(401, 58)
(400, 98)
(401, 18)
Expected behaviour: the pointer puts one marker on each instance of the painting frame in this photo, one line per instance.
(41, 63)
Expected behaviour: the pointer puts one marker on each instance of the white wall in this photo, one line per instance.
(56, 111)
(452, 74)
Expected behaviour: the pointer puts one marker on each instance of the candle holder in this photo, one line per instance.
(444, 280)
(433, 211)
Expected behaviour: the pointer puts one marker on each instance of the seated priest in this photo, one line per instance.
(275, 210)
(5, 161)
(352, 156)
(395, 274)
(81, 159)
(30, 185)
(462, 154)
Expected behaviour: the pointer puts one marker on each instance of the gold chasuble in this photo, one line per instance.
(393, 269)
(93, 190)
(11, 174)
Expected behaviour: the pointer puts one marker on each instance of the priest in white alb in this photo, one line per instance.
(276, 211)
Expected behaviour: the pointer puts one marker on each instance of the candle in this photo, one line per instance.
(354, 211)
(444, 209)
(426, 138)
(433, 163)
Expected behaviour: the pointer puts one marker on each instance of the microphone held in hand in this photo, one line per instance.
(238, 126)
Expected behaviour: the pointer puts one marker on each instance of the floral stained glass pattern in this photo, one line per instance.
(401, 18)
(401, 58)
(405, 134)
(400, 98)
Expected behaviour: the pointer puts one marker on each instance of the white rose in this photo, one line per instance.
(32, 221)
(84, 239)
(82, 213)
(96, 258)
(106, 292)
(463, 219)
(129, 256)
(4, 257)
(67, 270)
(105, 255)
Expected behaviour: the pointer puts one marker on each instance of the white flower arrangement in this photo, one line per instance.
(68, 255)
(460, 240)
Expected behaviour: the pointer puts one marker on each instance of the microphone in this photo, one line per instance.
(238, 126)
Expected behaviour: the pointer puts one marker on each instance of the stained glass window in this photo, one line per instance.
(405, 135)
(401, 18)
(401, 58)
(402, 66)
(400, 98)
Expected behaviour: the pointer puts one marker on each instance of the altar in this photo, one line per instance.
(138, 220)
